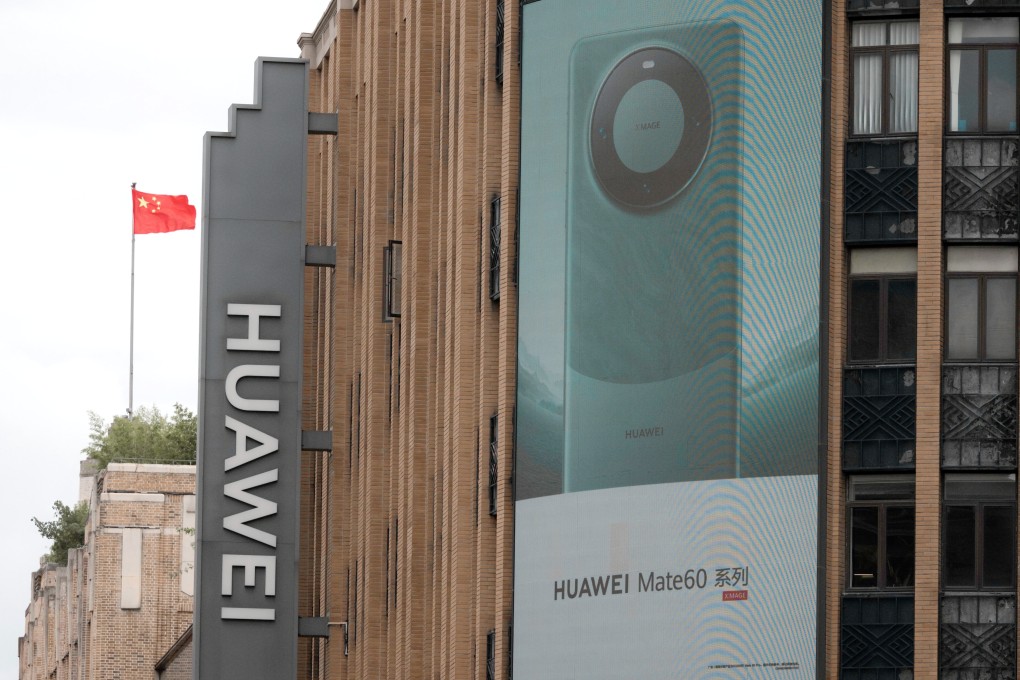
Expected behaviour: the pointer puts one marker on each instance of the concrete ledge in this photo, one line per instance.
(151, 467)
(128, 497)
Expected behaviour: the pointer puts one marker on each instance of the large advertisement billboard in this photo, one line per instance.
(667, 423)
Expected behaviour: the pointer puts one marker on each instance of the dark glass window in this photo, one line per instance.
(883, 318)
(490, 655)
(960, 564)
(884, 77)
(979, 547)
(901, 318)
(392, 273)
(493, 463)
(881, 513)
(864, 318)
(982, 70)
(500, 30)
(495, 252)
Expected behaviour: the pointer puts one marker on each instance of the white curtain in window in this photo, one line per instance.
(904, 33)
(955, 35)
(870, 91)
(868, 94)
(903, 92)
(870, 34)
(954, 86)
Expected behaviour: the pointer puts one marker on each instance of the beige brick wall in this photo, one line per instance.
(75, 626)
(398, 540)
(929, 341)
(835, 509)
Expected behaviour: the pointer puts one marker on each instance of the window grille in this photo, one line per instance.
(494, 248)
(493, 455)
(391, 267)
(499, 41)
(490, 655)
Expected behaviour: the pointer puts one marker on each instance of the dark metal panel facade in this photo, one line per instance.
(979, 189)
(879, 413)
(877, 637)
(881, 191)
(979, 422)
(978, 637)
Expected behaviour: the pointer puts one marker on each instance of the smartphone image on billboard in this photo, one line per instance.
(653, 243)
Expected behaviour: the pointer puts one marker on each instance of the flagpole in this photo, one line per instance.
(131, 343)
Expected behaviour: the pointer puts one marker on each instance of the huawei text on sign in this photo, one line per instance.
(240, 489)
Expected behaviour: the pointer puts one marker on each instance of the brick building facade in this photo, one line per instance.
(125, 597)
(413, 363)
(922, 425)
(407, 540)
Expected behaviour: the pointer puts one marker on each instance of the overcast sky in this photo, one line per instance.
(95, 95)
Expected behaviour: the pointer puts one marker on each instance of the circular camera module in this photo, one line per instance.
(650, 127)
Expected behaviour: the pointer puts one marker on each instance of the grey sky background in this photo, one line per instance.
(95, 95)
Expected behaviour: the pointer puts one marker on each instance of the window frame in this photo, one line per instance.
(883, 314)
(392, 279)
(495, 259)
(982, 321)
(885, 50)
(882, 505)
(980, 505)
(499, 57)
(493, 477)
(982, 50)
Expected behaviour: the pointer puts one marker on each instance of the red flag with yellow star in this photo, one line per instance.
(157, 213)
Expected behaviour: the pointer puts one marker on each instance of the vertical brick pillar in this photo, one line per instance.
(835, 514)
(929, 339)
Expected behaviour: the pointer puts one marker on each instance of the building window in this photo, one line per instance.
(490, 655)
(517, 233)
(979, 541)
(885, 77)
(495, 209)
(500, 31)
(392, 272)
(881, 516)
(982, 74)
(493, 462)
(883, 305)
(981, 303)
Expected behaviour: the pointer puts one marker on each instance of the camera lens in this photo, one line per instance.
(650, 127)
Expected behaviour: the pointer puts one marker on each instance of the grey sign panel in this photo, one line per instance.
(253, 246)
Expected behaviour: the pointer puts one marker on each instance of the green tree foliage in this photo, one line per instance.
(67, 531)
(149, 437)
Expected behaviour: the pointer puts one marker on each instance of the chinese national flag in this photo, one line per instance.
(156, 213)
